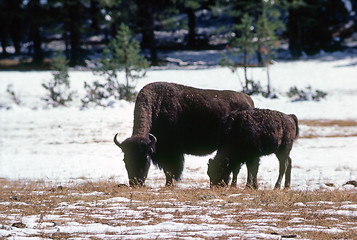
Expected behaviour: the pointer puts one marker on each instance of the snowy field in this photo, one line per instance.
(72, 145)
(66, 144)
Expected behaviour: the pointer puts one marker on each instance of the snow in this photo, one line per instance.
(70, 144)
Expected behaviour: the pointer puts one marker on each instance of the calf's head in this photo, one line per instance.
(218, 171)
(137, 157)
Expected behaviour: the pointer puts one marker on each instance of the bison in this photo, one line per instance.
(246, 136)
(171, 120)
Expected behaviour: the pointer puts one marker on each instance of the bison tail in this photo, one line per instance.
(296, 124)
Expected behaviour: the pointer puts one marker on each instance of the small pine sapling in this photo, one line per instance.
(58, 88)
(268, 23)
(242, 42)
(14, 97)
(305, 95)
(121, 55)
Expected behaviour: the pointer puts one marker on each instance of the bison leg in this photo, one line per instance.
(173, 168)
(288, 174)
(236, 170)
(283, 157)
(169, 179)
(252, 166)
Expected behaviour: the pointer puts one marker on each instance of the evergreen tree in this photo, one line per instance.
(58, 89)
(71, 22)
(121, 55)
(146, 19)
(267, 25)
(245, 42)
(34, 10)
(312, 24)
(242, 42)
(94, 15)
(112, 14)
(149, 11)
(3, 27)
(11, 17)
(73, 9)
(117, 12)
(189, 7)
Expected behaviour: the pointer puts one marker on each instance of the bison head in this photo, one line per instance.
(137, 157)
(218, 171)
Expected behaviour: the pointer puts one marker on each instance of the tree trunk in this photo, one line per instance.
(114, 29)
(35, 34)
(146, 21)
(259, 56)
(74, 28)
(3, 28)
(245, 70)
(268, 78)
(94, 10)
(66, 42)
(3, 39)
(37, 42)
(191, 28)
(74, 39)
(15, 30)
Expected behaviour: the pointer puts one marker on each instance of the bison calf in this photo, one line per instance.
(246, 136)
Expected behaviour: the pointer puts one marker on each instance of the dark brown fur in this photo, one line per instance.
(247, 135)
(183, 119)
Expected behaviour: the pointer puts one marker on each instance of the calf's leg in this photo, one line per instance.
(288, 174)
(252, 166)
(235, 172)
(284, 165)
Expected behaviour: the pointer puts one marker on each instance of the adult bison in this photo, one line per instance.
(246, 136)
(171, 120)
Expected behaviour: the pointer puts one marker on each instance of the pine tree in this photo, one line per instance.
(312, 25)
(58, 89)
(267, 25)
(34, 10)
(189, 7)
(121, 55)
(148, 12)
(117, 11)
(242, 42)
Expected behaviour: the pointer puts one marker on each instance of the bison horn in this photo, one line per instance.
(152, 138)
(116, 141)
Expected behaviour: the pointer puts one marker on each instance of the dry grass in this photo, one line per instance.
(23, 64)
(327, 128)
(308, 214)
(328, 123)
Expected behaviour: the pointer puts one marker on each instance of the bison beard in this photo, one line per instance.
(246, 136)
(184, 120)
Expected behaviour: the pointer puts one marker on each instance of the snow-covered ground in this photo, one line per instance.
(69, 144)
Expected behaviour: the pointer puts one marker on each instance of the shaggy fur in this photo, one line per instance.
(246, 136)
(183, 119)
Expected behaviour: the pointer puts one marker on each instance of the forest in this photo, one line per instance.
(35, 29)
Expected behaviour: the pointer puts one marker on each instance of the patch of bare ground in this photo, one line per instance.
(106, 210)
(329, 123)
(327, 128)
(25, 64)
